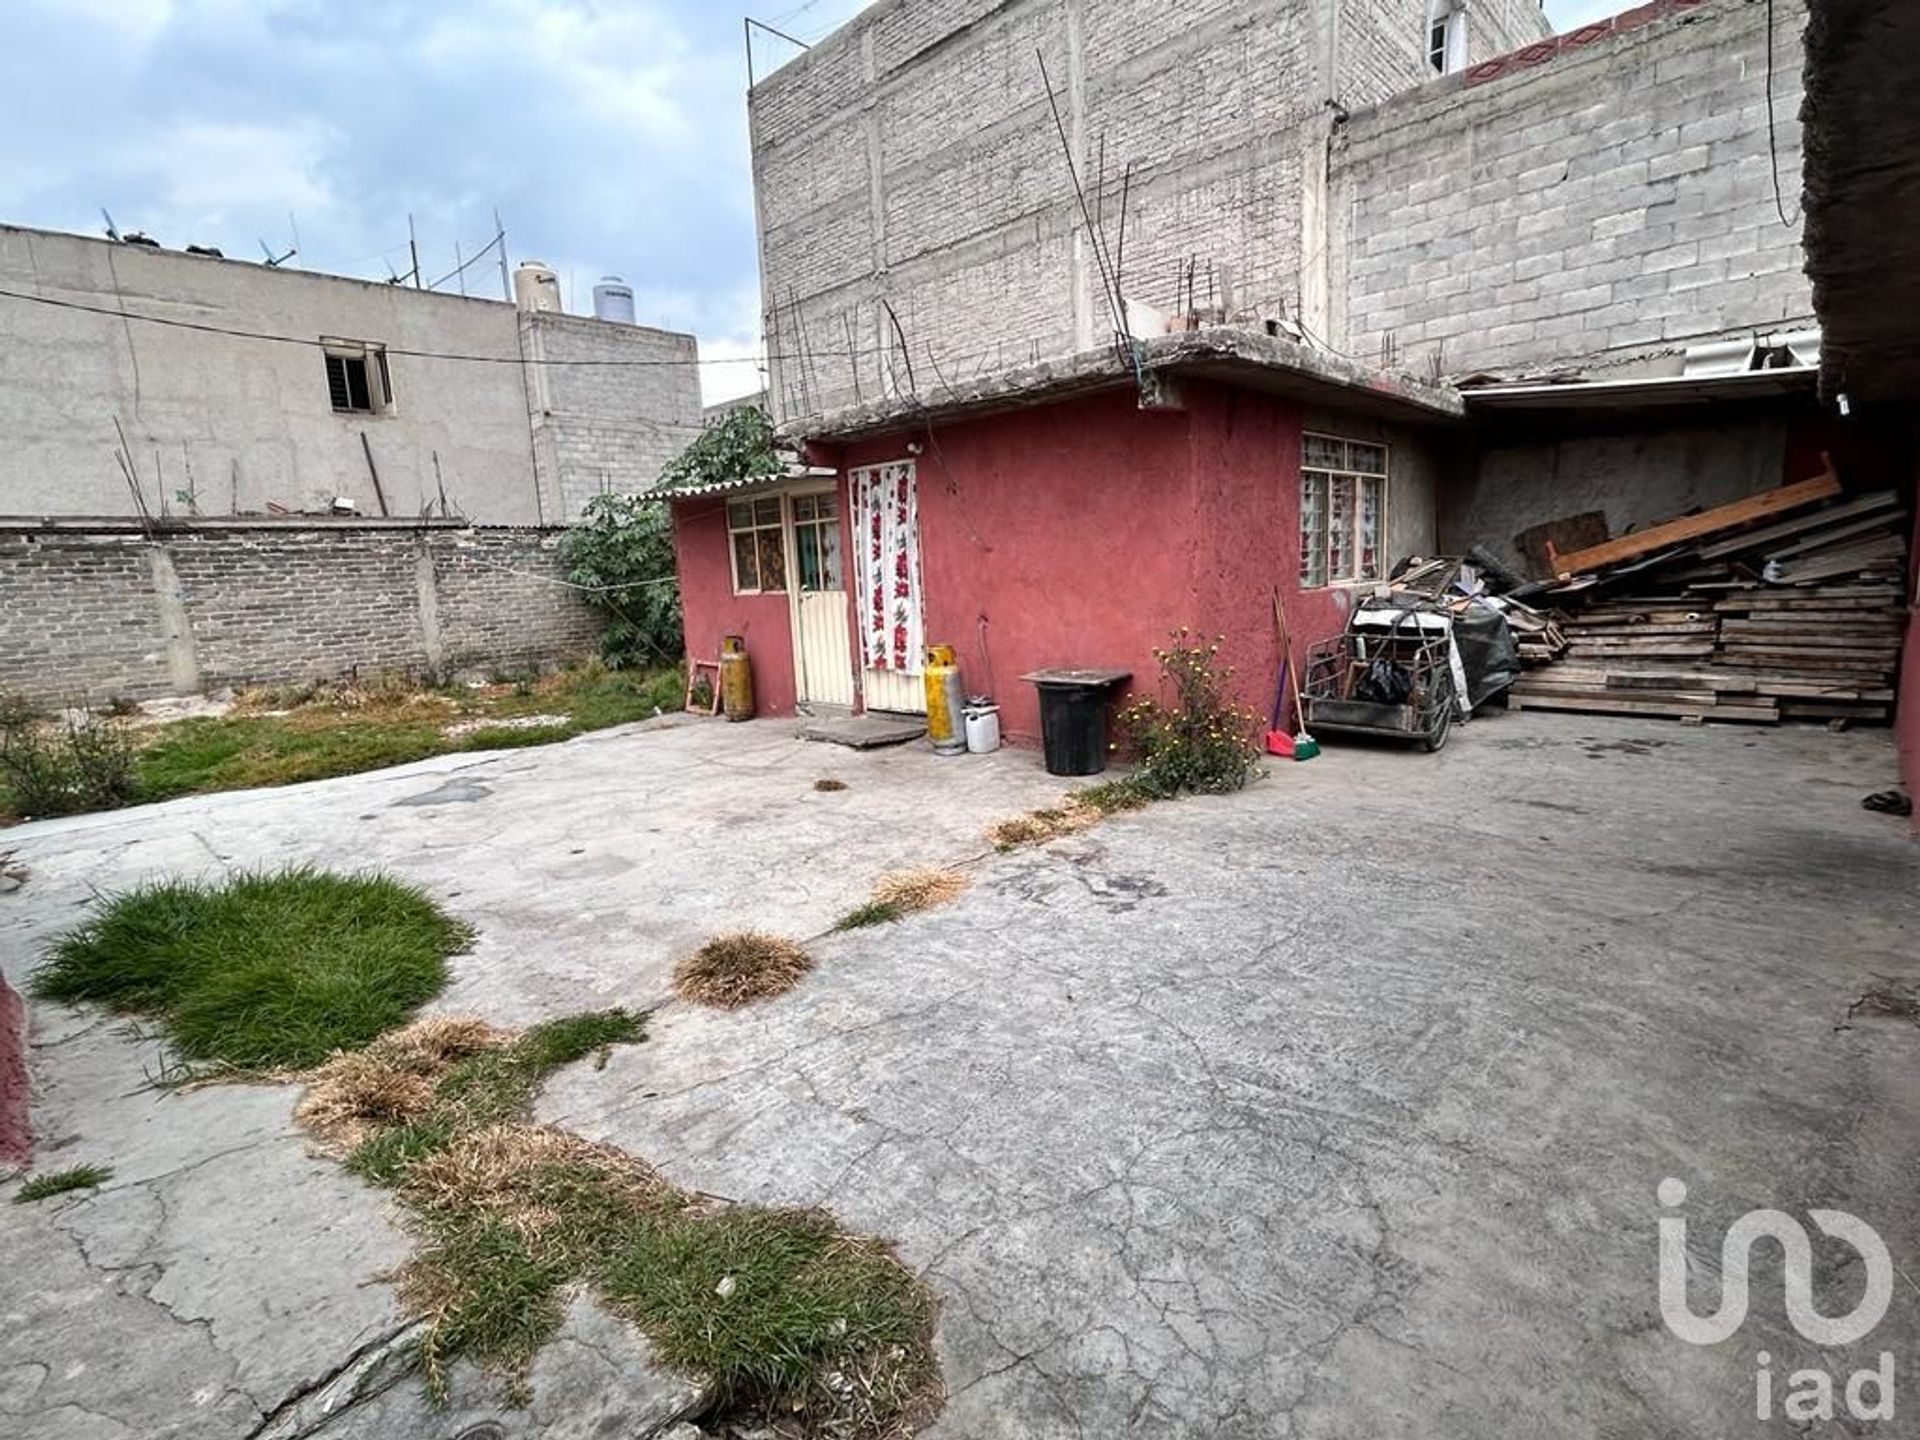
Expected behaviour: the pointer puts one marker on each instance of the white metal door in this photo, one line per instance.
(887, 599)
(822, 649)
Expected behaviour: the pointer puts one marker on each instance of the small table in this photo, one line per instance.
(1073, 716)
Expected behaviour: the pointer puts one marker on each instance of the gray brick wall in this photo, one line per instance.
(1608, 205)
(912, 161)
(94, 614)
(613, 422)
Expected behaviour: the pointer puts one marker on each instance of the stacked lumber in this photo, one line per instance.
(1720, 616)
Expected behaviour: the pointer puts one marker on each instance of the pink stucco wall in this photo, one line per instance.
(15, 1135)
(1080, 533)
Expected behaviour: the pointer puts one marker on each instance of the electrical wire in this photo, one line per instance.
(235, 333)
(1773, 131)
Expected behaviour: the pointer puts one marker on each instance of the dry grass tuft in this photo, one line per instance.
(389, 1083)
(921, 889)
(529, 1177)
(829, 784)
(740, 968)
(1037, 827)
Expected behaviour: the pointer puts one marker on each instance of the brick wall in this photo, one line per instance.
(613, 422)
(912, 161)
(1600, 200)
(100, 612)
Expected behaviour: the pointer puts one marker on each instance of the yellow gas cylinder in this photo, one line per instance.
(736, 679)
(942, 680)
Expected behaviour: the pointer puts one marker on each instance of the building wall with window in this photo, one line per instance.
(918, 220)
(1084, 532)
(223, 424)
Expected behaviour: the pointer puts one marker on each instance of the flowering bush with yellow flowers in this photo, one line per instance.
(1191, 737)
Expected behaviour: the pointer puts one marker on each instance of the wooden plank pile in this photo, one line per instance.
(1718, 616)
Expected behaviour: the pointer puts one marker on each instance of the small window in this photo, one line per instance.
(759, 552)
(1446, 36)
(358, 381)
(1343, 505)
(816, 543)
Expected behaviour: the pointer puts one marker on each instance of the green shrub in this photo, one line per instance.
(77, 764)
(622, 550)
(1195, 738)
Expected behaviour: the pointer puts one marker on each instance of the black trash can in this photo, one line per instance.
(1073, 717)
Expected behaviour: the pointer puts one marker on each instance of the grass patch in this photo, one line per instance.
(1077, 810)
(267, 971)
(283, 734)
(786, 1316)
(828, 785)
(1113, 797)
(902, 893)
(740, 968)
(62, 1182)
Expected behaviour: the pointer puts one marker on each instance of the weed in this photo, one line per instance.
(1037, 827)
(266, 971)
(902, 893)
(62, 1182)
(1112, 797)
(739, 968)
(514, 737)
(828, 784)
(82, 763)
(1196, 740)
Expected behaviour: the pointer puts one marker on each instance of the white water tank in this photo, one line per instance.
(536, 287)
(613, 300)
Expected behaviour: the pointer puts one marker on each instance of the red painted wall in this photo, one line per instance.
(1081, 533)
(16, 1135)
(713, 610)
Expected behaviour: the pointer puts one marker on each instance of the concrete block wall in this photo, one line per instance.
(911, 164)
(613, 422)
(1603, 202)
(250, 423)
(99, 610)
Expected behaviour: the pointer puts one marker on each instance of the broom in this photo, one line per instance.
(1300, 745)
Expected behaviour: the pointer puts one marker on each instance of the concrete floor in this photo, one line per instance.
(1334, 1108)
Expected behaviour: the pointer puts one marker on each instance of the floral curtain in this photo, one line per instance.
(886, 519)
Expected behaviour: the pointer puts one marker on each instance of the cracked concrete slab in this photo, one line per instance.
(1337, 1108)
(225, 1283)
(1331, 1109)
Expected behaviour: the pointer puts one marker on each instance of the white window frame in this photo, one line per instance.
(1365, 465)
(778, 525)
(379, 375)
(1449, 17)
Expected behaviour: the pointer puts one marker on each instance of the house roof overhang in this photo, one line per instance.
(1662, 393)
(1246, 359)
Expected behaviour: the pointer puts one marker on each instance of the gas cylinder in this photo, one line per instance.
(736, 679)
(942, 680)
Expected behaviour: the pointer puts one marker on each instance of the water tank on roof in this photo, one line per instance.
(536, 287)
(613, 300)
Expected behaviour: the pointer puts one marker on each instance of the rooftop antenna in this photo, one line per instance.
(113, 231)
(273, 260)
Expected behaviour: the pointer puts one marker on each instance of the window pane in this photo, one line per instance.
(337, 383)
(1370, 498)
(829, 505)
(803, 507)
(767, 512)
(1321, 453)
(806, 544)
(830, 570)
(1340, 521)
(746, 573)
(739, 514)
(357, 394)
(1313, 529)
(1367, 459)
(773, 563)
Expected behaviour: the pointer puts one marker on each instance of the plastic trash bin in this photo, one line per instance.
(1073, 717)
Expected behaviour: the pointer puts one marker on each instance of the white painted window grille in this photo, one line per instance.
(1343, 506)
(759, 550)
(816, 542)
(358, 380)
(1446, 36)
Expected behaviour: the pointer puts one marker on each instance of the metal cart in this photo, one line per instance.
(1396, 682)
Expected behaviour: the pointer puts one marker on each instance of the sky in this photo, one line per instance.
(610, 134)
